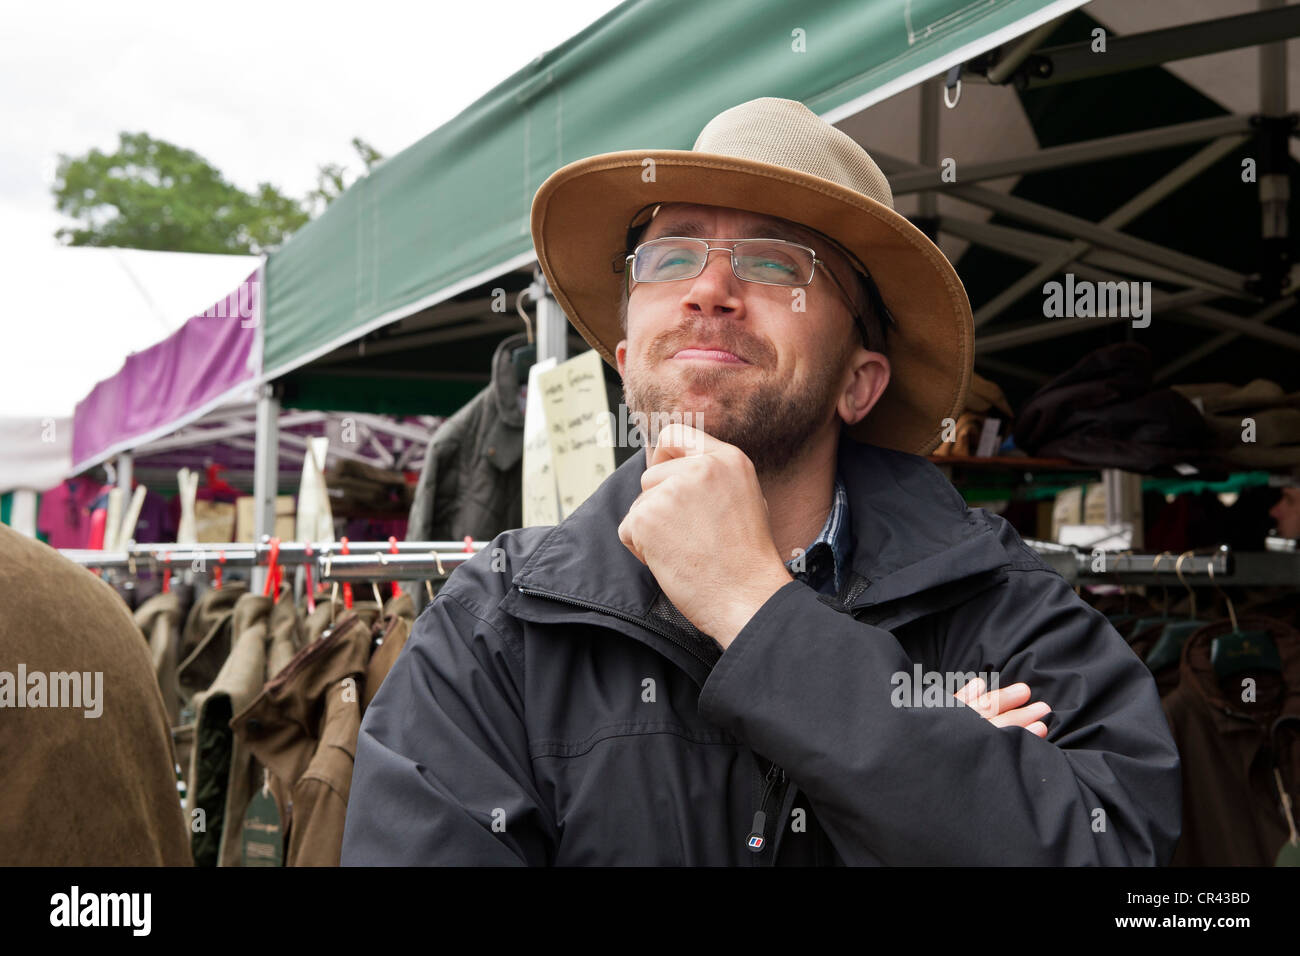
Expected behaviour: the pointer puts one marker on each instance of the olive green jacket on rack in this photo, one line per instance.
(303, 725)
(222, 777)
(159, 620)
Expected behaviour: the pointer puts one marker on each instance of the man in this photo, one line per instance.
(686, 670)
(1286, 512)
(85, 743)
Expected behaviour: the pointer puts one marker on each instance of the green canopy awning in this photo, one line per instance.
(452, 211)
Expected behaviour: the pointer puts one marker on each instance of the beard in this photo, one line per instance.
(771, 419)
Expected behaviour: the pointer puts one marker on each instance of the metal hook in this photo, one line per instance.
(1124, 588)
(1232, 611)
(952, 81)
(1178, 570)
(519, 307)
(1164, 588)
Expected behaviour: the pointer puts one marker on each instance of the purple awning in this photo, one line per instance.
(164, 386)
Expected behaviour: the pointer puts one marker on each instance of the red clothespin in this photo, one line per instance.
(392, 549)
(216, 572)
(167, 574)
(273, 571)
(311, 598)
(347, 585)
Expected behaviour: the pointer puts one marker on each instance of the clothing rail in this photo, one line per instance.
(387, 567)
(204, 557)
(1088, 567)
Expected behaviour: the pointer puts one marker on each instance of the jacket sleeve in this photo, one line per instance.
(442, 774)
(815, 690)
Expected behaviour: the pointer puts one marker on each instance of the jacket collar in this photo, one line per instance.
(284, 722)
(912, 533)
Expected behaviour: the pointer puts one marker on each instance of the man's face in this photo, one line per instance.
(1287, 513)
(737, 359)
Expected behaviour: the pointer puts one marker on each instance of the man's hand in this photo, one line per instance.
(1003, 707)
(701, 526)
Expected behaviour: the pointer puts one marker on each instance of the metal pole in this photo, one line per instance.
(266, 469)
(1124, 502)
(124, 469)
(552, 324)
(1074, 154)
(1014, 207)
(1144, 200)
(1026, 45)
(928, 150)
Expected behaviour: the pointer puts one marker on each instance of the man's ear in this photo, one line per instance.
(867, 381)
(620, 355)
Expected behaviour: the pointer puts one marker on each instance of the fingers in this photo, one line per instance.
(994, 702)
(1022, 716)
(677, 440)
(661, 472)
(1005, 707)
(625, 535)
(971, 691)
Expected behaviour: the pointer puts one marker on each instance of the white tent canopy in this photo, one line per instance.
(73, 315)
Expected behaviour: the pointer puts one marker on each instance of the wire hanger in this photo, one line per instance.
(1164, 588)
(1191, 595)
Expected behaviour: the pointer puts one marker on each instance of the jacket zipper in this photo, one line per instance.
(757, 840)
(591, 606)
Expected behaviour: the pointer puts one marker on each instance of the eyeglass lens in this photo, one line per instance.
(757, 260)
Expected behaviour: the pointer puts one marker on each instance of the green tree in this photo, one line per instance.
(151, 194)
(332, 179)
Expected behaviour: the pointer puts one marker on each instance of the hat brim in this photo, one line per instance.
(580, 217)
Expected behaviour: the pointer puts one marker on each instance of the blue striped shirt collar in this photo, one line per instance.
(835, 535)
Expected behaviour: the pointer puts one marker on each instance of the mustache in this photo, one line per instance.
(754, 350)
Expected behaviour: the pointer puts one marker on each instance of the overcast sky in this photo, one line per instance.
(264, 91)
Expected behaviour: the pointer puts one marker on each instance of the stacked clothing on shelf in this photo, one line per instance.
(1253, 426)
(1105, 413)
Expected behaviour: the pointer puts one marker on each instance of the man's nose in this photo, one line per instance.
(716, 287)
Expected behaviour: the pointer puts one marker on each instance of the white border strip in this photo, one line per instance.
(433, 298)
(944, 63)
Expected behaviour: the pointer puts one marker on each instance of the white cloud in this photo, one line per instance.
(265, 91)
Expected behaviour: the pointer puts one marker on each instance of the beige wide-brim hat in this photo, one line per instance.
(772, 157)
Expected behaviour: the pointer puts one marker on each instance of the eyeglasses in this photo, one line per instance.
(765, 261)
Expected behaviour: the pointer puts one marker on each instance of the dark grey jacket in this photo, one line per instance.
(470, 482)
(552, 708)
